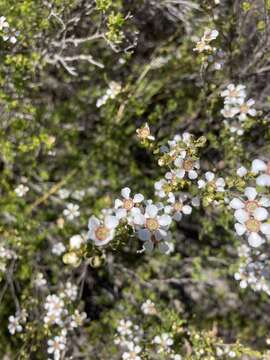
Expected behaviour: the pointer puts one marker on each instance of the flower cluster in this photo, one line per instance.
(60, 319)
(131, 338)
(5, 255)
(203, 45)
(254, 270)
(113, 90)
(16, 322)
(251, 211)
(21, 190)
(128, 337)
(7, 33)
(237, 106)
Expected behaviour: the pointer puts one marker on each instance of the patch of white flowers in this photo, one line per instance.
(6, 32)
(131, 339)
(251, 213)
(203, 45)
(59, 318)
(236, 107)
(5, 256)
(113, 90)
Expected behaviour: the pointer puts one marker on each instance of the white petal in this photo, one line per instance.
(258, 165)
(180, 173)
(125, 192)
(168, 209)
(164, 220)
(111, 221)
(163, 247)
(209, 176)
(263, 180)
(151, 211)
(241, 215)
(252, 112)
(201, 184)
(178, 162)
(138, 198)
(250, 193)
(187, 209)
(265, 201)
(121, 213)
(260, 214)
(255, 240)
(236, 204)
(144, 234)
(139, 219)
(220, 182)
(93, 223)
(265, 228)
(118, 203)
(177, 216)
(240, 229)
(192, 174)
(148, 246)
(242, 171)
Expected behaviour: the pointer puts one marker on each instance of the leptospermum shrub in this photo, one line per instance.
(135, 179)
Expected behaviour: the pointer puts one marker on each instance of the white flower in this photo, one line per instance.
(176, 357)
(58, 248)
(228, 111)
(40, 281)
(164, 341)
(63, 193)
(217, 184)
(21, 190)
(77, 319)
(14, 324)
(56, 345)
(252, 203)
(244, 108)
(54, 304)
(177, 207)
(153, 226)
(72, 211)
(128, 206)
(148, 307)
(76, 241)
(102, 232)
(160, 188)
(3, 23)
(242, 171)
(125, 327)
(132, 353)
(264, 167)
(252, 225)
(233, 94)
(144, 133)
(203, 44)
(71, 291)
(187, 166)
(210, 35)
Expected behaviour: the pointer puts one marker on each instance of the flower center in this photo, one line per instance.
(178, 206)
(253, 225)
(128, 204)
(244, 108)
(102, 233)
(152, 224)
(188, 165)
(251, 206)
(233, 93)
(144, 132)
